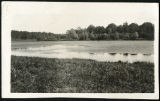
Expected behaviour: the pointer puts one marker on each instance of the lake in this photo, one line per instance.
(113, 51)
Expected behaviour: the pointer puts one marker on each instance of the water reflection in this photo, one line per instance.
(110, 57)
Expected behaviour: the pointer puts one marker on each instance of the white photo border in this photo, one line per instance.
(6, 66)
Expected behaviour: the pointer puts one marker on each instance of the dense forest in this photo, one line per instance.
(126, 31)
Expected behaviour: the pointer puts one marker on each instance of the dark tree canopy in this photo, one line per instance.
(146, 30)
(133, 27)
(90, 28)
(99, 30)
(111, 28)
(132, 31)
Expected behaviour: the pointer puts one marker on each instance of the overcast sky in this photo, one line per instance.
(59, 17)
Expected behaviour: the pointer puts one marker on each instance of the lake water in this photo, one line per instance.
(113, 51)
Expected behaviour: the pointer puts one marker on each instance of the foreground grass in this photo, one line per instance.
(44, 75)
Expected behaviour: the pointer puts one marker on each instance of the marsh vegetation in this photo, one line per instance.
(44, 75)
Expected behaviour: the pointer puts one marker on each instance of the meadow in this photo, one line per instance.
(53, 75)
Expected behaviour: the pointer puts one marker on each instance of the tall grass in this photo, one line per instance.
(44, 75)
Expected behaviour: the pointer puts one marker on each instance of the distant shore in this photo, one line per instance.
(51, 75)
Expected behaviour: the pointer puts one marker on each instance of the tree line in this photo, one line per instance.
(125, 31)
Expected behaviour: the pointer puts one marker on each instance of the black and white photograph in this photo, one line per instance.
(80, 49)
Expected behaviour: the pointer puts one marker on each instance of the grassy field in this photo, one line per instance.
(44, 75)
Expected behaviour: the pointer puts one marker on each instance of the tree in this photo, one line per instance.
(91, 36)
(72, 34)
(147, 31)
(106, 36)
(116, 36)
(85, 34)
(111, 32)
(133, 36)
(120, 29)
(133, 27)
(125, 28)
(90, 29)
(79, 30)
(126, 36)
(111, 28)
(99, 30)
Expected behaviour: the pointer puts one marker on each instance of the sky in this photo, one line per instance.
(57, 17)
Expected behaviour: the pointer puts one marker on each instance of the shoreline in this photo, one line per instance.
(93, 59)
